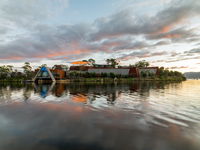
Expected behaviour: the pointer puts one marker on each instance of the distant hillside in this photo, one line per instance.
(192, 75)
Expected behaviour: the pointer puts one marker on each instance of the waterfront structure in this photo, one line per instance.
(44, 74)
(59, 72)
(50, 75)
(124, 71)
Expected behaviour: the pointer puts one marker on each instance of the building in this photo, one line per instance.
(59, 72)
(129, 71)
(49, 75)
(124, 71)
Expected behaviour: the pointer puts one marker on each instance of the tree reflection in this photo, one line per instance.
(84, 92)
(27, 90)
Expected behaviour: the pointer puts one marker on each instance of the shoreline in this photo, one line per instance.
(100, 80)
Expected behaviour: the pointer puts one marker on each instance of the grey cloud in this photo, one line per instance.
(133, 45)
(124, 23)
(22, 12)
(179, 34)
(3, 30)
(187, 55)
(179, 67)
(46, 40)
(183, 58)
(171, 60)
(193, 51)
(160, 43)
(142, 54)
(109, 34)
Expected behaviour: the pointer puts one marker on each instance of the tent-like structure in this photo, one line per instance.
(44, 74)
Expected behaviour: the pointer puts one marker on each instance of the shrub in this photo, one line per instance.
(112, 75)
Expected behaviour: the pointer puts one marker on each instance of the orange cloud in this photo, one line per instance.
(61, 53)
(169, 27)
(50, 54)
(12, 58)
(166, 29)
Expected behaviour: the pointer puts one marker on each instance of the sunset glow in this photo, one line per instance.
(165, 33)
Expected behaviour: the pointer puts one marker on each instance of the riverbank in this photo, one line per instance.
(123, 79)
(107, 79)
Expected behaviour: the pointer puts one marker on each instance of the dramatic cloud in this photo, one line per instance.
(27, 13)
(193, 51)
(29, 31)
(142, 54)
(125, 23)
(175, 67)
(175, 35)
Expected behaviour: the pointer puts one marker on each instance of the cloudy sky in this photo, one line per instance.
(163, 32)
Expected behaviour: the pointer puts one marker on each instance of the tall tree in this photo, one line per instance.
(27, 69)
(5, 71)
(142, 64)
(113, 62)
(10, 68)
(92, 61)
(61, 67)
(108, 61)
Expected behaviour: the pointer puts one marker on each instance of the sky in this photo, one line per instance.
(163, 32)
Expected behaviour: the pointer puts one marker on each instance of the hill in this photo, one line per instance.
(192, 75)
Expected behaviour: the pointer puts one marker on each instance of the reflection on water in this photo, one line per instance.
(139, 115)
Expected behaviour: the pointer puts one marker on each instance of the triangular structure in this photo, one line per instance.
(44, 73)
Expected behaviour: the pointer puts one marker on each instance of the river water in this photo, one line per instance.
(120, 116)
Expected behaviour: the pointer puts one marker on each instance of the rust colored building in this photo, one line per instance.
(58, 74)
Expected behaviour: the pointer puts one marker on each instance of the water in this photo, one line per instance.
(138, 115)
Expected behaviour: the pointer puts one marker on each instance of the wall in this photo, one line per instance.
(121, 71)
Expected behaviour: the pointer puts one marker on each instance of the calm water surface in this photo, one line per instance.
(135, 116)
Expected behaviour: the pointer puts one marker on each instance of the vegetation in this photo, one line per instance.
(63, 67)
(91, 61)
(113, 62)
(8, 74)
(142, 64)
(163, 74)
(27, 70)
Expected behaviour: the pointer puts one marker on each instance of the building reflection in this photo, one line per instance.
(59, 90)
(88, 93)
(43, 89)
(80, 98)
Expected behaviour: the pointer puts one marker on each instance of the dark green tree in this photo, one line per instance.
(27, 69)
(142, 64)
(91, 61)
(113, 62)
